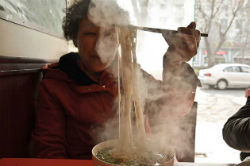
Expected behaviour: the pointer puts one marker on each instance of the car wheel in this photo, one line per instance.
(222, 84)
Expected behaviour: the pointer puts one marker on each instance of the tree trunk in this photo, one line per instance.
(210, 55)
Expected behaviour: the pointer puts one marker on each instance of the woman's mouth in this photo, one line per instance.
(98, 59)
(95, 57)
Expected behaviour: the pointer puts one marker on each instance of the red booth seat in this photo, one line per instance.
(19, 80)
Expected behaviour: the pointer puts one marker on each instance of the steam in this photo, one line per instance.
(165, 119)
(108, 12)
(107, 15)
(107, 43)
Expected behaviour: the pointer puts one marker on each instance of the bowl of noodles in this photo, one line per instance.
(104, 154)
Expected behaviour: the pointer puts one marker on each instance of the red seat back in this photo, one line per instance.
(19, 80)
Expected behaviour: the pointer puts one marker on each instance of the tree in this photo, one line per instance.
(246, 29)
(216, 17)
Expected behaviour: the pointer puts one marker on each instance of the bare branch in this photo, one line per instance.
(217, 10)
(234, 15)
(205, 16)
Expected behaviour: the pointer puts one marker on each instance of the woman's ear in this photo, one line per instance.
(75, 43)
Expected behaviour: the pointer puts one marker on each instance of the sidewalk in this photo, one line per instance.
(214, 108)
(209, 142)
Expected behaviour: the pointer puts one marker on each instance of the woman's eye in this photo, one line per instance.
(108, 34)
(90, 34)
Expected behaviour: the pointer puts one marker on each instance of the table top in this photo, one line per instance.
(70, 162)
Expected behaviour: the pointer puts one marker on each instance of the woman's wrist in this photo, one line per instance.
(179, 75)
(171, 65)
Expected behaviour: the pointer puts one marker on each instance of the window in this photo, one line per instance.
(245, 69)
(232, 69)
(228, 69)
(215, 106)
(45, 13)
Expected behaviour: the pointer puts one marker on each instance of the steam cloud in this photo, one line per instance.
(105, 14)
(168, 131)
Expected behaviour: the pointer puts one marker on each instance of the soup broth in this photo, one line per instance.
(149, 158)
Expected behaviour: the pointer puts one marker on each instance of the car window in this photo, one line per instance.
(232, 69)
(245, 69)
(228, 69)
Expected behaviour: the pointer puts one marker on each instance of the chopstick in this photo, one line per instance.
(157, 30)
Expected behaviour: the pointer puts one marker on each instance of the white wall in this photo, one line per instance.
(17, 40)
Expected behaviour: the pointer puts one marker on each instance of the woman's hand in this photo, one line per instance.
(183, 45)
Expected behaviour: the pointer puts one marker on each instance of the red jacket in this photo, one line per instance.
(66, 112)
(69, 113)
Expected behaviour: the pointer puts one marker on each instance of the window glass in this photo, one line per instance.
(236, 69)
(228, 69)
(227, 24)
(45, 13)
(245, 69)
(232, 69)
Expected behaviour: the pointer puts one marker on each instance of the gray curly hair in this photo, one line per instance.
(74, 15)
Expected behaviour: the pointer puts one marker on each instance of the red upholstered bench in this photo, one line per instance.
(19, 80)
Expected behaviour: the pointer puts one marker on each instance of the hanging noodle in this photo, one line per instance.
(130, 92)
(128, 150)
(125, 139)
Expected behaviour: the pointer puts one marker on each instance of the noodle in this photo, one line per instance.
(130, 152)
(126, 59)
(131, 88)
(131, 91)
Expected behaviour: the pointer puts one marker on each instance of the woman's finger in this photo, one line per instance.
(192, 32)
(192, 25)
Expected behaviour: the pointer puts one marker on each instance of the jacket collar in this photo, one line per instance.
(68, 70)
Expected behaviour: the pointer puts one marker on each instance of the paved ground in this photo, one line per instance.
(214, 108)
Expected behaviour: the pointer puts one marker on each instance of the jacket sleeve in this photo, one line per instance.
(174, 96)
(49, 133)
(236, 131)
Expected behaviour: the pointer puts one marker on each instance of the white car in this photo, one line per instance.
(225, 76)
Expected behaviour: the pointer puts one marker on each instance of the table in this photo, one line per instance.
(69, 162)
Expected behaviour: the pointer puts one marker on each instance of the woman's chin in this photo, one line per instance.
(99, 68)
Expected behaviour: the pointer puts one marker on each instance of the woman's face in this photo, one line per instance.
(97, 46)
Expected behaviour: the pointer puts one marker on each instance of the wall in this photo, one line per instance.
(17, 40)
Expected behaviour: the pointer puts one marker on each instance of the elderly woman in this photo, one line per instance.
(77, 94)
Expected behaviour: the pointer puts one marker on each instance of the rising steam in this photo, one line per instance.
(155, 99)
